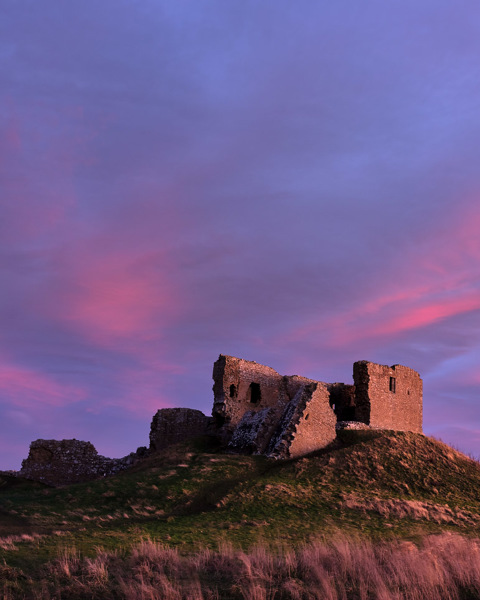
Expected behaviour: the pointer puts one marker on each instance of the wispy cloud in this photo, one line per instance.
(26, 388)
(299, 187)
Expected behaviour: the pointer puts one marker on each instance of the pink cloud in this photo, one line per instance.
(113, 300)
(402, 317)
(109, 296)
(430, 313)
(436, 281)
(386, 316)
(24, 387)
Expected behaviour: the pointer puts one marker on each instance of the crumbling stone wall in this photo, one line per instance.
(253, 432)
(242, 386)
(388, 397)
(308, 423)
(257, 410)
(316, 423)
(61, 462)
(172, 425)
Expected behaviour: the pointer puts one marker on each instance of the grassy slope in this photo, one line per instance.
(376, 484)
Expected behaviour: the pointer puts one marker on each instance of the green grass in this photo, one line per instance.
(380, 485)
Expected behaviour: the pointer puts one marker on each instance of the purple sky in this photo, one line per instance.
(292, 183)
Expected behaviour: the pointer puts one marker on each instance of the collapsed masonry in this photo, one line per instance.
(61, 462)
(255, 411)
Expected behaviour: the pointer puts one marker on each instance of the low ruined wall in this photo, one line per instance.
(61, 462)
(172, 425)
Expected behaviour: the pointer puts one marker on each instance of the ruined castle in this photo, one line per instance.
(255, 411)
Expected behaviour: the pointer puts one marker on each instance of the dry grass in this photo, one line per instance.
(445, 567)
(395, 508)
(9, 542)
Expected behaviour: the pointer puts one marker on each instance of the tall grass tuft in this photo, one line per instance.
(445, 567)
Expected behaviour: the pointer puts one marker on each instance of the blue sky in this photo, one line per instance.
(295, 184)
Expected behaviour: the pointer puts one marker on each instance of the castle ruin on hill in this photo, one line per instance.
(255, 411)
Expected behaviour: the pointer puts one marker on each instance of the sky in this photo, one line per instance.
(295, 183)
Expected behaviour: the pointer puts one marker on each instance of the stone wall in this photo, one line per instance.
(308, 423)
(61, 462)
(257, 411)
(253, 432)
(388, 397)
(242, 386)
(316, 423)
(172, 425)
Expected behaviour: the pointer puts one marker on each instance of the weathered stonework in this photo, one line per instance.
(388, 397)
(253, 431)
(256, 411)
(308, 423)
(242, 386)
(172, 425)
(347, 425)
(69, 461)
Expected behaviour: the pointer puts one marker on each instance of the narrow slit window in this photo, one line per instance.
(233, 391)
(393, 385)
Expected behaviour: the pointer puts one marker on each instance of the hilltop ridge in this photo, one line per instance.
(373, 481)
(367, 484)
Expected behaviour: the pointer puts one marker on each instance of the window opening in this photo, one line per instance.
(393, 385)
(233, 390)
(255, 393)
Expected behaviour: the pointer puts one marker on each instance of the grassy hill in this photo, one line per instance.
(370, 487)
